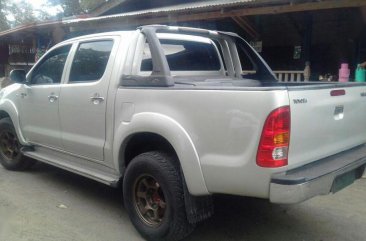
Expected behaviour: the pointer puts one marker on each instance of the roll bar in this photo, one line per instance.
(161, 75)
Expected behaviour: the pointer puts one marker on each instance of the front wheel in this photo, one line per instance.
(11, 157)
(154, 197)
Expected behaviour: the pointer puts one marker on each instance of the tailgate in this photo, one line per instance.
(322, 124)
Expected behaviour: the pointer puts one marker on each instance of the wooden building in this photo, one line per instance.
(21, 47)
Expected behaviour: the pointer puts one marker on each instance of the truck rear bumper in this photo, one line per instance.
(321, 177)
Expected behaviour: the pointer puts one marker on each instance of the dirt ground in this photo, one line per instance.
(50, 204)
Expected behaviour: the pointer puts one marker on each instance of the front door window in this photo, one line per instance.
(50, 69)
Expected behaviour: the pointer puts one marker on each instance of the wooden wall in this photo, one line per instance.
(334, 39)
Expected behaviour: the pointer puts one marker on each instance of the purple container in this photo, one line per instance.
(344, 73)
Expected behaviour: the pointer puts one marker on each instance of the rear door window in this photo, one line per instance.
(90, 61)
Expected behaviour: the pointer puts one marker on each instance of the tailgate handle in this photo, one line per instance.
(339, 112)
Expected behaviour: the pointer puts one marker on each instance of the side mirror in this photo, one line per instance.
(18, 76)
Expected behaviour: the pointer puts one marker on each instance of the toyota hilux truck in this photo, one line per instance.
(175, 115)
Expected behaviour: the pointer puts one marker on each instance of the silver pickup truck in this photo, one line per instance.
(169, 114)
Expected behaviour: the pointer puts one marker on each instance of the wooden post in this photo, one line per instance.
(308, 19)
(58, 34)
(307, 71)
(363, 12)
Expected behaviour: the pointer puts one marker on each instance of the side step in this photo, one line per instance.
(27, 149)
(86, 168)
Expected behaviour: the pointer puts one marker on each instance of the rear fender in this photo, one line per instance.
(175, 134)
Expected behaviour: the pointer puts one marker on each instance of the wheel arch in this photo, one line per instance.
(141, 142)
(8, 109)
(169, 135)
(4, 114)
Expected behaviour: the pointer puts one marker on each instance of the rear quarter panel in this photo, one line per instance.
(223, 125)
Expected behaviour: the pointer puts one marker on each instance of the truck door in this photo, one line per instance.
(39, 99)
(83, 99)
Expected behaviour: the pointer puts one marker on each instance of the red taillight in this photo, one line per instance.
(275, 139)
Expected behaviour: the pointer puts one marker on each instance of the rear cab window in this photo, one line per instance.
(197, 60)
(186, 55)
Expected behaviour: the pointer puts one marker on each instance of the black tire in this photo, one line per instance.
(15, 161)
(162, 168)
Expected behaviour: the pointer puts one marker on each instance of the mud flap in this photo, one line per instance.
(198, 208)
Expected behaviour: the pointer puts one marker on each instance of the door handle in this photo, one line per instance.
(52, 98)
(97, 100)
(22, 95)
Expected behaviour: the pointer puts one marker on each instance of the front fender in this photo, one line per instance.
(9, 107)
(173, 132)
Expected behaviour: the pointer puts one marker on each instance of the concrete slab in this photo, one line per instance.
(30, 211)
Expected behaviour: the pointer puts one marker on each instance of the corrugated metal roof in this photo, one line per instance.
(194, 6)
(29, 27)
(205, 5)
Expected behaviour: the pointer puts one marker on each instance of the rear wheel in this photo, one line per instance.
(154, 198)
(11, 157)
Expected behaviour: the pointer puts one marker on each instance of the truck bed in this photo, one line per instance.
(225, 119)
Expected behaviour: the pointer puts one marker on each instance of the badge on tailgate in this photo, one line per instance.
(300, 101)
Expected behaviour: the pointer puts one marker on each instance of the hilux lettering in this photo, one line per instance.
(300, 101)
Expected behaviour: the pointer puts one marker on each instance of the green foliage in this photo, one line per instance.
(21, 12)
(4, 25)
(71, 7)
(76, 7)
(15, 13)
(88, 5)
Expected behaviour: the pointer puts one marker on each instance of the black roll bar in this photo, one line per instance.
(161, 75)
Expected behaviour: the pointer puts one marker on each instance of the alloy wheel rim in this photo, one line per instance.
(9, 145)
(149, 200)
